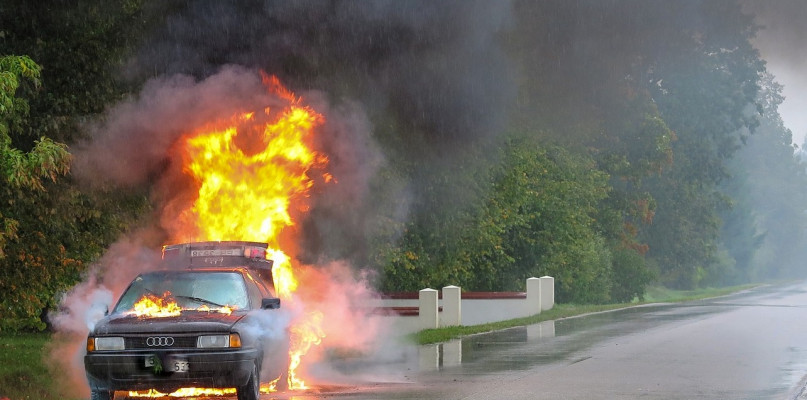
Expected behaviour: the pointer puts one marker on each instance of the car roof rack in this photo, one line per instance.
(217, 254)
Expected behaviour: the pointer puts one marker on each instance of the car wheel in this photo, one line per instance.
(102, 395)
(252, 390)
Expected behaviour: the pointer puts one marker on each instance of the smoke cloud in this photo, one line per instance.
(781, 42)
(135, 146)
(436, 67)
(88, 302)
(434, 75)
(352, 62)
(130, 147)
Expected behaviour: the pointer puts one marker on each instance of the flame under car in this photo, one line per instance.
(188, 325)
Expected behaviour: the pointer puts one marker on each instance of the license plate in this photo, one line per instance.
(174, 365)
(180, 366)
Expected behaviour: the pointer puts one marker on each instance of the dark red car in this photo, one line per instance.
(201, 329)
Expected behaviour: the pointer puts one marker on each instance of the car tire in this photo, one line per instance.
(252, 390)
(102, 395)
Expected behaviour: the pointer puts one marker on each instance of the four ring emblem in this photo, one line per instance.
(164, 341)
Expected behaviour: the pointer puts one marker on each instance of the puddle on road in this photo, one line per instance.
(473, 349)
(549, 342)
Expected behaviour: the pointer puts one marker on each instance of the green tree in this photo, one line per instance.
(443, 230)
(83, 47)
(705, 82)
(536, 218)
(545, 202)
(764, 230)
(20, 170)
(50, 228)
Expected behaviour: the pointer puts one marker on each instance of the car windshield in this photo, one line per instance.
(190, 290)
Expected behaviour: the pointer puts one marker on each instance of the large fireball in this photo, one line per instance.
(253, 174)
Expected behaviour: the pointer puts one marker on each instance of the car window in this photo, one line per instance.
(189, 290)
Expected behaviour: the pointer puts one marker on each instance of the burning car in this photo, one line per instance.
(187, 325)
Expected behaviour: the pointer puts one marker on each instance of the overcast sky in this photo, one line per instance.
(783, 44)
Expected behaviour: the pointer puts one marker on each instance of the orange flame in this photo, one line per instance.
(304, 334)
(247, 194)
(253, 173)
(152, 306)
(271, 387)
(156, 307)
(184, 392)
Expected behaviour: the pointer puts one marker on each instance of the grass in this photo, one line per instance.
(663, 295)
(23, 373)
(653, 295)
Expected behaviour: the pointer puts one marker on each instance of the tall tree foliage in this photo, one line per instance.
(661, 95)
(545, 202)
(766, 226)
(22, 171)
(50, 229)
(82, 47)
(705, 85)
(661, 92)
(538, 218)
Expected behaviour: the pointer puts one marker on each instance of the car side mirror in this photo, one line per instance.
(270, 303)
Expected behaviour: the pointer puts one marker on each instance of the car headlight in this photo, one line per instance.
(105, 343)
(218, 341)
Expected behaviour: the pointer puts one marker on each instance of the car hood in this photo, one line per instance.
(188, 321)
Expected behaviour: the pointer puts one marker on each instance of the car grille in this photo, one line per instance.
(160, 342)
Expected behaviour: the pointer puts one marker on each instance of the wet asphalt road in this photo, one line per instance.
(751, 345)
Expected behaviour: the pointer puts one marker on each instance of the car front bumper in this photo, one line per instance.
(129, 370)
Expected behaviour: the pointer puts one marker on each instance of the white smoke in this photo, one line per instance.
(88, 302)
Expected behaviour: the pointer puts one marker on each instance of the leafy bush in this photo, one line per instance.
(630, 276)
(537, 218)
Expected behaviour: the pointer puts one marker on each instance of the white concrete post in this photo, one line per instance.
(452, 352)
(452, 306)
(533, 296)
(429, 357)
(547, 292)
(427, 309)
(541, 330)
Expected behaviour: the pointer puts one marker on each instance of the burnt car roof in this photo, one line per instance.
(217, 254)
(239, 269)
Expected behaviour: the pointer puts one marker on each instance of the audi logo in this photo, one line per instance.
(159, 341)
